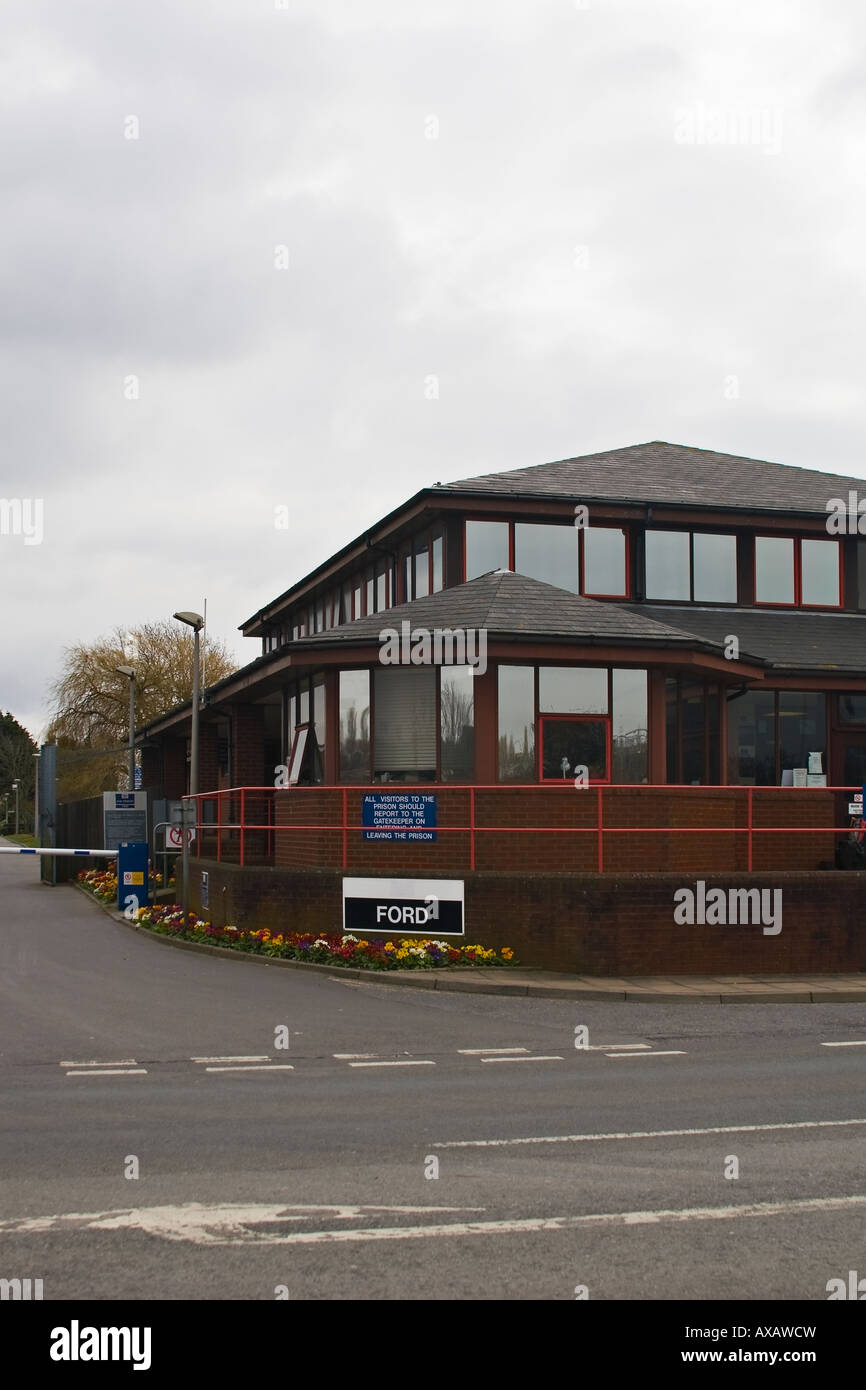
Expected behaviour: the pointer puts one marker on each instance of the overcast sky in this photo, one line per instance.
(244, 242)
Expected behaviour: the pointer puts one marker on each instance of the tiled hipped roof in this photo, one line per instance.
(795, 641)
(511, 605)
(669, 474)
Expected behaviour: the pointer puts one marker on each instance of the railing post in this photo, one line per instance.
(345, 825)
(219, 825)
(472, 828)
(243, 822)
(600, 803)
(750, 790)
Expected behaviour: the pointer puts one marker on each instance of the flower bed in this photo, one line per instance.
(102, 883)
(335, 949)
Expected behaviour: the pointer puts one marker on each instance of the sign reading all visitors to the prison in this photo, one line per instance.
(433, 907)
(406, 816)
(125, 817)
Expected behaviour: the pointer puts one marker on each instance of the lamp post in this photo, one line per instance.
(129, 672)
(15, 790)
(196, 622)
(36, 827)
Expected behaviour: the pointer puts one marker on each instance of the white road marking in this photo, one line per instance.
(212, 1224)
(201, 1060)
(352, 1056)
(267, 1066)
(392, 1064)
(614, 1047)
(198, 1224)
(860, 1042)
(485, 1051)
(642, 1056)
(523, 1059)
(126, 1062)
(109, 1071)
(643, 1134)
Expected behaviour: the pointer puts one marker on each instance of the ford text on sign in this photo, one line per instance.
(432, 907)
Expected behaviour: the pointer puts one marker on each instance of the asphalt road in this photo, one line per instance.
(307, 1171)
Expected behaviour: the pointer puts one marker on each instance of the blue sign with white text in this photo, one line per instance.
(399, 816)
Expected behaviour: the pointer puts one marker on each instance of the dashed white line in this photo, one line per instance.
(860, 1042)
(488, 1051)
(393, 1064)
(644, 1134)
(109, 1071)
(353, 1056)
(523, 1059)
(263, 1057)
(125, 1062)
(267, 1066)
(642, 1056)
(615, 1047)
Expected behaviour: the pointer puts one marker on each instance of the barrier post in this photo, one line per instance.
(243, 823)
(751, 789)
(345, 825)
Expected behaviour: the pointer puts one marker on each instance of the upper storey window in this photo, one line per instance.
(684, 566)
(588, 560)
(487, 547)
(793, 572)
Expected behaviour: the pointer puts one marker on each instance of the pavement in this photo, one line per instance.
(175, 1127)
(550, 984)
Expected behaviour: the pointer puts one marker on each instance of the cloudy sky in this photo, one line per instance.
(317, 254)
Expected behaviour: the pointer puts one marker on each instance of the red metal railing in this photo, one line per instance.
(252, 841)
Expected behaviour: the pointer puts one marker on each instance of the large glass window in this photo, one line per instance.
(517, 724)
(604, 568)
(820, 573)
(319, 715)
(572, 690)
(548, 553)
(381, 592)
(852, 709)
(667, 565)
(404, 724)
(715, 568)
(802, 728)
(774, 569)
(457, 721)
(752, 738)
(486, 547)
(630, 741)
(438, 566)
(693, 732)
(422, 573)
(569, 744)
(354, 726)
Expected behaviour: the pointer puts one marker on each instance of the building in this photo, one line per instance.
(649, 660)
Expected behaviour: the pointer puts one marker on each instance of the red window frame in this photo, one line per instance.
(798, 571)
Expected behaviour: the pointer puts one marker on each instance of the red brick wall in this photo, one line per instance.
(593, 924)
(512, 845)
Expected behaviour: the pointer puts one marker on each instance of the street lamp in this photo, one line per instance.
(15, 790)
(129, 672)
(196, 622)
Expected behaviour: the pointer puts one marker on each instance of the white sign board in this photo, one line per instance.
(403, 906)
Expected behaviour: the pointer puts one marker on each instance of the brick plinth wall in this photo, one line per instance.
(676, 816)
(594, 924)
